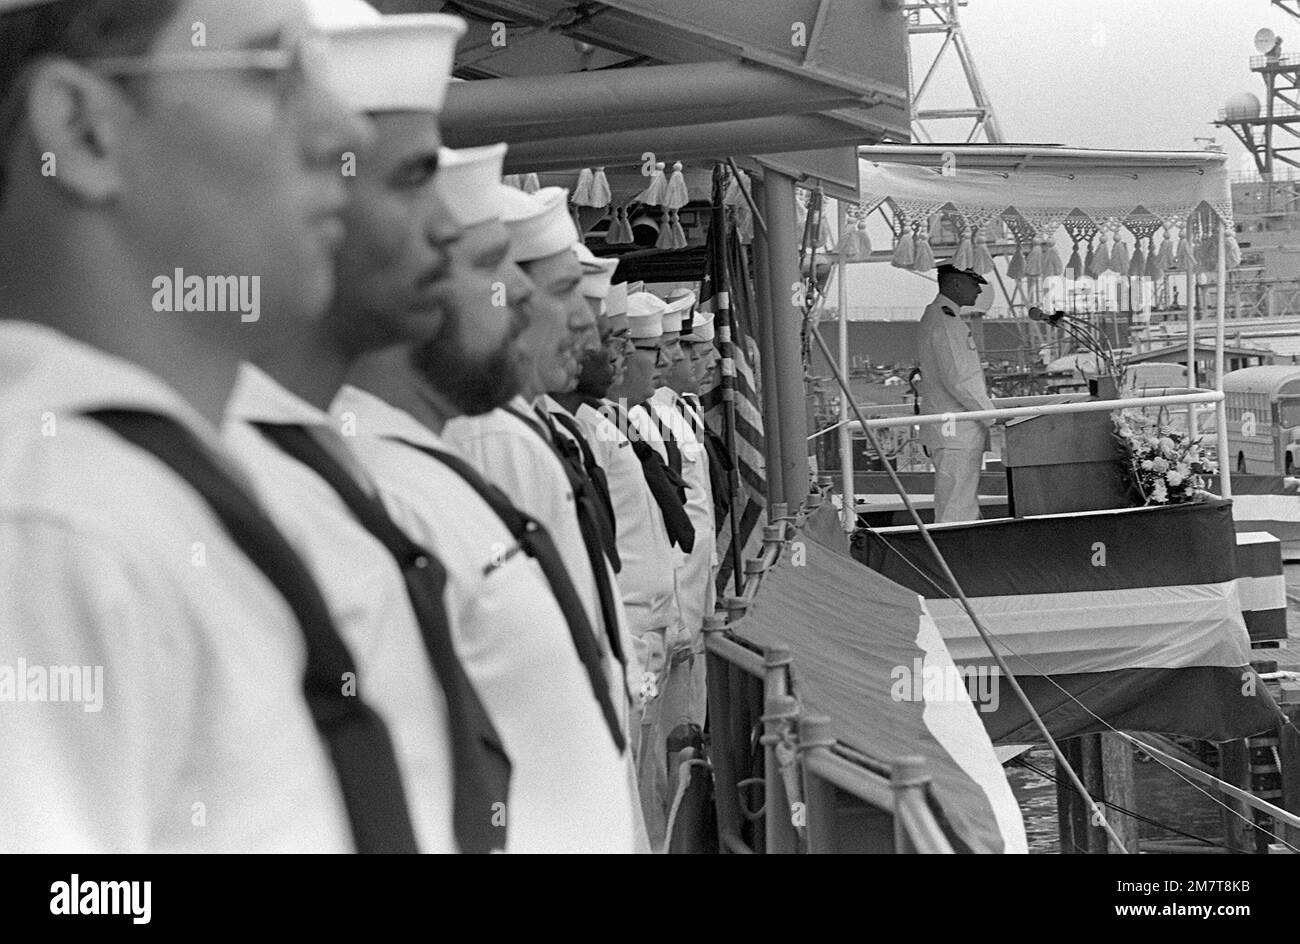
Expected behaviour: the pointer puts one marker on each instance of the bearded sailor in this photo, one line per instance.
(518, 619)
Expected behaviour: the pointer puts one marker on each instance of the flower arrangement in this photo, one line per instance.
(1163, 466)
(1091, 339)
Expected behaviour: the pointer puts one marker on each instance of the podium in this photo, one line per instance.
(1061, 463)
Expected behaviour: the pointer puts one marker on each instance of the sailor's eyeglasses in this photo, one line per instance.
(298, 62)
(661, 356)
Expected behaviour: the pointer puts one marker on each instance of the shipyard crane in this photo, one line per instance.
(927, 18)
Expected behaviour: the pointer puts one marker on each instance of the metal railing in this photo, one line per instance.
(806, 772)
(1280, 110)
(1192, 399)
(1287, 175)
(1085, 406)
(1275, 62)
(1285, 822)
(900, 313)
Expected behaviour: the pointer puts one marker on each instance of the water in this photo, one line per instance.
(1037, 798)
(1162, 796)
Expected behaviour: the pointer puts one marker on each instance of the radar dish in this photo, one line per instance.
(1244, 106)
(1264, 40)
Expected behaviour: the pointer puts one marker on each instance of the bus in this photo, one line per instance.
(1262, 405)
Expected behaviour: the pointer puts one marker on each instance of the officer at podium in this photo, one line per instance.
(952, 380)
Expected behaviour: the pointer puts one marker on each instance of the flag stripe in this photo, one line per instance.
(751, 539)
(1088, 551)
(1064, 633)
(1205, 702)
(1124, 608)
(750, 505)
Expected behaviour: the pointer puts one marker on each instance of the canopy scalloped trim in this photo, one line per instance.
(1132, 206)
(1045, 198)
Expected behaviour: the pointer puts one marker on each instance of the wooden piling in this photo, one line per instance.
(1104, 762)
(1288, 747)
(1234, 768)
(1119, 789)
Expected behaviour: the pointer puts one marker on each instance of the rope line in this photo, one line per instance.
(1094, 808)
(1213, 797)
(1047, 775)
(984, 633)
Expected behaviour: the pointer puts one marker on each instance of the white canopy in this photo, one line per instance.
(1036, 189)
(1045, 185)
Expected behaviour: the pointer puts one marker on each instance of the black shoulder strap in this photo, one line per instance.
(359, 743)
(599, 485)
(666, 487)
(481, 766)
(670, 441)
(595, 511)
(537, 543)
(532, 422)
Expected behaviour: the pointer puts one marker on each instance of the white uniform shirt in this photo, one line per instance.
(694, 570)
(952, 378)
(365, 592)
(569, 791)
(204, 742)
(641, 423)
(646, 578)
(512, 455)
(632, 669)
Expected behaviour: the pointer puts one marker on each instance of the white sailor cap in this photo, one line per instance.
(679, 305)
(469, 185)
(616, 307)
(597, 273)
(679, 294)
(539, 223)
(645, 316)
(702, 328)
(400, 62)
(590, 261)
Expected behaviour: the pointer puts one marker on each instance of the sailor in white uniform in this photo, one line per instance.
(509, 446)
(666, 648)
(192, 734)
(645, 577)
(152, 696)
(694, 569)
(362, 586)
(515, 447)
(298, 375)
(642, 375)
(563, 408)
(952, 380)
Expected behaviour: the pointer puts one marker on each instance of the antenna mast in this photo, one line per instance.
(939, 17)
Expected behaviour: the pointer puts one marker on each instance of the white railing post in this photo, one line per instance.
(849, 516)
(1191, 334)
(1221, 410)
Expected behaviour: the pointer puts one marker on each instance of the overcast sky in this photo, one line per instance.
(1094, 73)
(1118, 73)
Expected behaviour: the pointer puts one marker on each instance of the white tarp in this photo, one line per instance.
(1042, 186)
(868, 656)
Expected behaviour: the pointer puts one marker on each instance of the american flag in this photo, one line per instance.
(750, 506)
